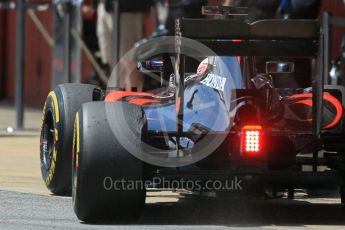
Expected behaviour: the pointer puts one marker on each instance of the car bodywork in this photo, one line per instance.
(224, 97)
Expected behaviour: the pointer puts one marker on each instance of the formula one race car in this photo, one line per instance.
(253, 106)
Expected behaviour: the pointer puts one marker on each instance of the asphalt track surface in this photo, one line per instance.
(30, 211)
(25, 203)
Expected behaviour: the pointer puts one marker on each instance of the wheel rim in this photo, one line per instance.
(47, 141)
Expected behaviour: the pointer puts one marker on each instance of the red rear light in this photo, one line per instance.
(251, 139)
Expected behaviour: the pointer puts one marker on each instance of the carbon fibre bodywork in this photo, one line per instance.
(216, 101)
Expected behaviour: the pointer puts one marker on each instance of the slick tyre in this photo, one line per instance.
(103, 170)
(57, 134)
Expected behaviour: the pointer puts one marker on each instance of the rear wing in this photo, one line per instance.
(228, 37)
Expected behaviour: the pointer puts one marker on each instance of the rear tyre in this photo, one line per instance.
(57, 132)
(103, 170)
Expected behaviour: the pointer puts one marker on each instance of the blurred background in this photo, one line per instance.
(50, 55)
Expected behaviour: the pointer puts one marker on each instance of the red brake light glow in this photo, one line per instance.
(251, 139)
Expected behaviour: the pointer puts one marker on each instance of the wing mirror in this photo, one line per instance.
(280, 67)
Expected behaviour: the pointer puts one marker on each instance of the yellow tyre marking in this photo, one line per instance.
(76, 142)
(56, 135)
(52, 168)
(57, 119)
(56, 106)
(74, 138)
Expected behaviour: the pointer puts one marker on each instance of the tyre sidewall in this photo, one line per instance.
(51, 177)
